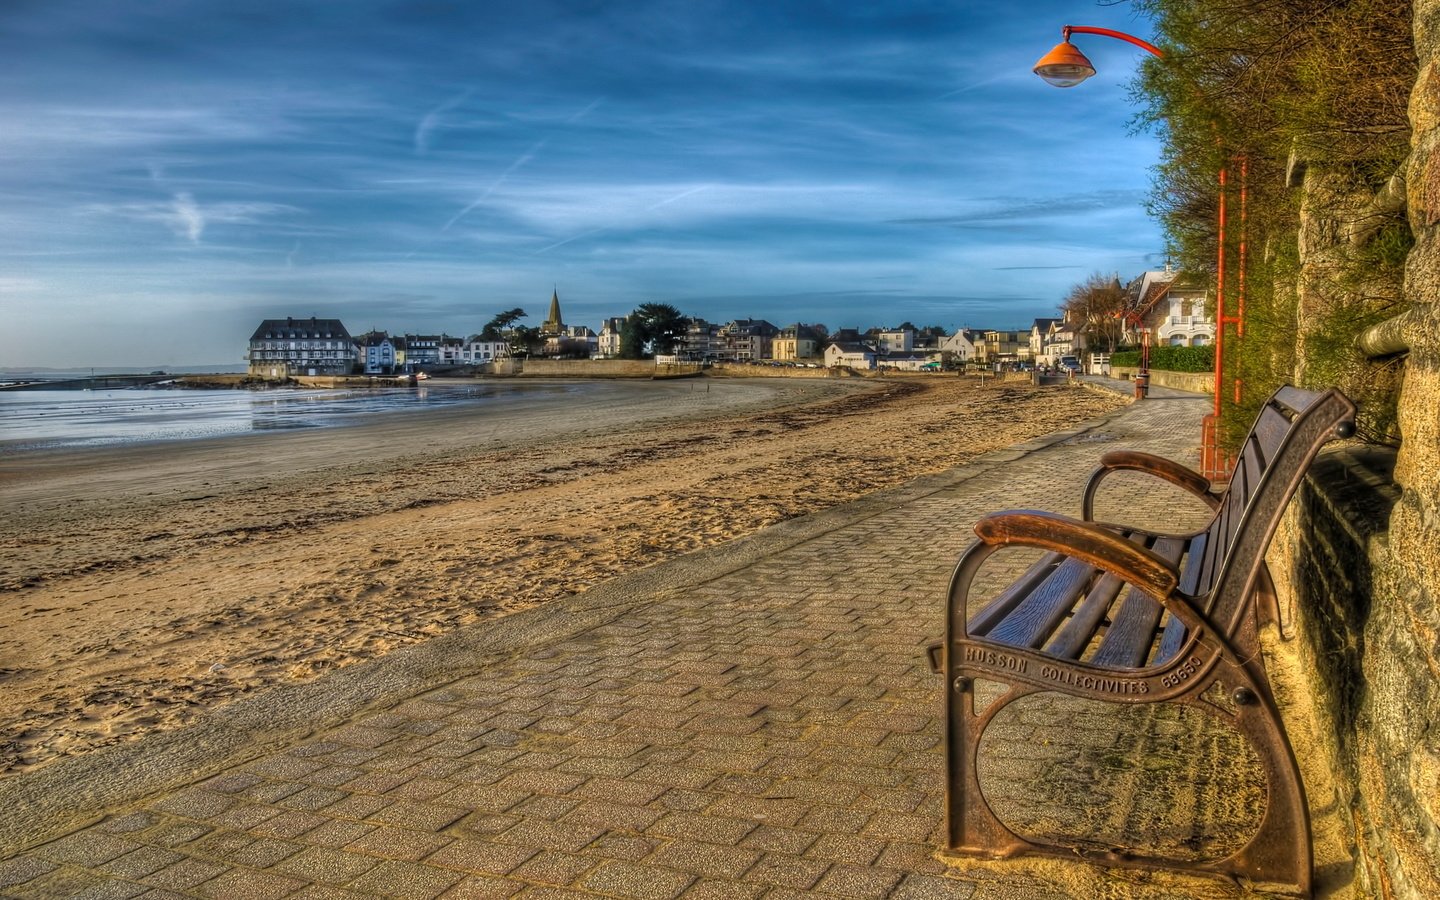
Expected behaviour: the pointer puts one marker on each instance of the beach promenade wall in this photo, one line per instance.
(596, 368)
(740, 370)
(1195, 382)
(1376, 633)
(1362, 671)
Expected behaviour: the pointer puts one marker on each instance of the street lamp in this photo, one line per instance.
(1065, 66)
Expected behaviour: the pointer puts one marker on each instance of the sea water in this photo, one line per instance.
(32, 420)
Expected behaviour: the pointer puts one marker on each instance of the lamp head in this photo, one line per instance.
(1065, 66)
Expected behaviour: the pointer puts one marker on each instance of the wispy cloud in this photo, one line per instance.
(589, 108)
(521, 160)
(189, 220)
(431, 120)
(680, 196)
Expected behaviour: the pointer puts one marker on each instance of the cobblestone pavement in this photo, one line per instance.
(773, 731)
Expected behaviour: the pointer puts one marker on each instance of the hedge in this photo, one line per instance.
(1170, 359)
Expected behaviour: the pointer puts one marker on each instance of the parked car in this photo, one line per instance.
(1070, 364)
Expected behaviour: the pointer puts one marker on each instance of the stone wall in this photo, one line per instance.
(1324, 559)
(1399, 737)
(1360, 560)
(598, 368)
(1195, 382)
(740, 370)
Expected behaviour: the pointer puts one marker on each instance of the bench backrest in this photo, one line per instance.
(1290, 430)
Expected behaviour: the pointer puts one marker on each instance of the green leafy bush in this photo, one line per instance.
(1170, 359)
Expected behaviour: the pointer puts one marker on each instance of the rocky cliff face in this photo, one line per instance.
(1400, 736)
(1360, 555)
(1396, 737)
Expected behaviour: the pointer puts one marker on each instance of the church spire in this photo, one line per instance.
(553, 323)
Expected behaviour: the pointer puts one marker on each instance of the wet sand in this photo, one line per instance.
(141, 586)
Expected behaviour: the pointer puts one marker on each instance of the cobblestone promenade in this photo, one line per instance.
(769, 729)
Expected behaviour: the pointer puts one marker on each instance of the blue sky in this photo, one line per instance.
(173, 171)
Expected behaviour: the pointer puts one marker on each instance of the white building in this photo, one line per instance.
(906, 361)
(898, 340)
(960, 345)
(607, 342)
(847, 353)
(478, 351)
(1172, 309)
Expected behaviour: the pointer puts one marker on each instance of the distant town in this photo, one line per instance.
(1159, 307)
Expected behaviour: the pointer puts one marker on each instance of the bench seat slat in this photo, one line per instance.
(1173, 637)
(1038, 615)
(1005, 602)
(1072, 639)
(1132, 632)
(1079, 630)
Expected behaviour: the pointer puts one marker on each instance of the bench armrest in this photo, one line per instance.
(1149, 463)
(1094, 544)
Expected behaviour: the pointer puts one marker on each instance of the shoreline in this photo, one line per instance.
(145, 593)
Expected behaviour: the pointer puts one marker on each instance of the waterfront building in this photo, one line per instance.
(960, 346)
(896, 340)
(571, 342)
(701, 341)
(607, 342)
(907, 360)
(852, 354)
(283, 348)
(1003, 347)
(478, 350)
(377, 353)
(1042, 334)
(796, 341)
(746, 340)
(1172, 308)
(423, 351)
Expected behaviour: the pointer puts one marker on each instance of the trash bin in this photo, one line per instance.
(1142, 385)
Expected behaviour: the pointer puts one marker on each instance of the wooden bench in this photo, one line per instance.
(1123, 615)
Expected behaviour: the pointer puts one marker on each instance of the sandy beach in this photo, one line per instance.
(144, 585)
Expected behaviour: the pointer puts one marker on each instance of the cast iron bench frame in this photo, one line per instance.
(1185, 631)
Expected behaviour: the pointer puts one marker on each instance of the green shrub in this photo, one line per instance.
(1170, 359)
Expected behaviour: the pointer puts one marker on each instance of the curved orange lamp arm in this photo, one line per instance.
(1108, 32)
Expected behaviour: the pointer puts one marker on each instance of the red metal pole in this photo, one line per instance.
(1244, 219)
(1220, 296)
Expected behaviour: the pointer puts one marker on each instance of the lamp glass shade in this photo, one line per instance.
(1065, 66)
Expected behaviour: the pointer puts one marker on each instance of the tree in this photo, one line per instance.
(658, 327)
(524, 340)
(1096, 308)
(632, 339)
(1280, 95)
(496, 326)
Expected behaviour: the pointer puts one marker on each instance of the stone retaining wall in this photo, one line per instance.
(1326, 561)
(744, 371)
(1195, 382)
(596, 368)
